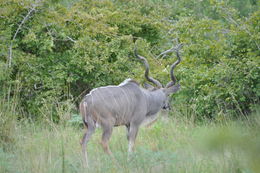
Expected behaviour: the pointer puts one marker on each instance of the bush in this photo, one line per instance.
(64, 49)
(220, 67)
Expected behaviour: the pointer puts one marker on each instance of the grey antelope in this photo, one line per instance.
(126, 104)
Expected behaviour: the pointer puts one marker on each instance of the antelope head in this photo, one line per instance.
(172, 86)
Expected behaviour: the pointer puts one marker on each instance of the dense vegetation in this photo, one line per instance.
(52, 52)
(61, 49)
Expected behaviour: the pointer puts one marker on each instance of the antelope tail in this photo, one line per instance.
(83, 112)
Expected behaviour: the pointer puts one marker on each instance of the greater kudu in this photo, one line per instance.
(126, 104)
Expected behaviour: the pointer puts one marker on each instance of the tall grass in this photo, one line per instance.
(8, 114)
(170, 145)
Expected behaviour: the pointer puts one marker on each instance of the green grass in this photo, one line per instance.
(170, 145)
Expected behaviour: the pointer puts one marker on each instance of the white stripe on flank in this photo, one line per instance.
(109, 86)
(114, 99)
(126, 99)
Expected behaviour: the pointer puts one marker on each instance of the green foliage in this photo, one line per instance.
(61, 52)
(66, 48)
(221, 66)
(76, 120)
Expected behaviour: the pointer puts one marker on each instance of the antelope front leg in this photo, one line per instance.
(131, 146)
(131, 137)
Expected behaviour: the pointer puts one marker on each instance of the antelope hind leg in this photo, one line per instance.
(107, 131)
(89, 131)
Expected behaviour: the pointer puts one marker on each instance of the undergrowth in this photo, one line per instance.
(172, 144)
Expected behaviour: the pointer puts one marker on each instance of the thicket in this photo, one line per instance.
(53, 52)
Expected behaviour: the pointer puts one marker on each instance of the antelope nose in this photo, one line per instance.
(166, 107)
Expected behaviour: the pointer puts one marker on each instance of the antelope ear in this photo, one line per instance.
(148, 86)
(172, 89)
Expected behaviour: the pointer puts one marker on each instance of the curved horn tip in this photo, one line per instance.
(178, 47)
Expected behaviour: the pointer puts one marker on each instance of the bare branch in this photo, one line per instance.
(23, 21)
(54, 34)
(28, 15)
(74, 41)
